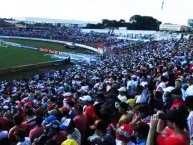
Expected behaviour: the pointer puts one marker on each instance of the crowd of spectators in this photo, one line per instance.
(120, 43)
(70, 34)
(141, 97)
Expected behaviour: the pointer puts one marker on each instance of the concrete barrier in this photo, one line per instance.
(33, 66)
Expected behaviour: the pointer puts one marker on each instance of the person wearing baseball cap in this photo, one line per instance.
(73, 133)
(48, 120)
(55, 133)
(122, 97)
(70, 142)
(86, 98)
(89, 109)
(124, 134)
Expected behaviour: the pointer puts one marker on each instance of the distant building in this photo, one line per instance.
(55, 22)
(45, 23)
(173, 27)
(190, 23)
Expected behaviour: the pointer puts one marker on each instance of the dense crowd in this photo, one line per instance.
(141, 97)
(70, 34)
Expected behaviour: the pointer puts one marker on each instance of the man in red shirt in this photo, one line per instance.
(177, 99)
(31, 118)
(89, 109)
(80, 120)
(18, 124)
(174, 133)
(89, 112)
(38, 130)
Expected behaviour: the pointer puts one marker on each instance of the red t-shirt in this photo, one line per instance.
(31, 122)
(177, 140)
(171, 139)
(11, 135)
(36, 132)
(80, 121)
(90, 113)
(60, 137)
(4, 123)
(177, 103)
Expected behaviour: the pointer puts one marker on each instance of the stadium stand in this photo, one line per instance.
(144, 96)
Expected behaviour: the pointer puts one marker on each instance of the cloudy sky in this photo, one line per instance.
(174, 11)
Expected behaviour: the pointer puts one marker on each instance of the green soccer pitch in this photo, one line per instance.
(14, 56)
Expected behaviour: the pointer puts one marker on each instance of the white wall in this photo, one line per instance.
(158, 35)
(119, 31)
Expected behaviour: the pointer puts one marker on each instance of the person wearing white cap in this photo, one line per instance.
(84, 89)
(88, 109)
(122, 97)
(86, 98)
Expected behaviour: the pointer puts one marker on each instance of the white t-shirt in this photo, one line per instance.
(75, 135)
(183, 94)
(165, 74)
(118, 142)
(131, 85)
(122, 98)
(162, 85)
(140, 99)
(190, 124)
(25, 142)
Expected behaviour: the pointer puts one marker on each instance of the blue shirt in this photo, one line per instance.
(141, 141)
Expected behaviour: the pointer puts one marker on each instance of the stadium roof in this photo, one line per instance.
(48, 20)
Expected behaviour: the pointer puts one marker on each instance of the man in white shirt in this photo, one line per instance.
(178, 85)
(3, 133)
(189, 104)
(130, 87)
(139, 98)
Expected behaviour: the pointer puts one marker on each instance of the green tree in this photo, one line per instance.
(139, 22)
(106, 22)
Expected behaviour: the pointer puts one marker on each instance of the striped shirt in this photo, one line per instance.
(31, 122)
